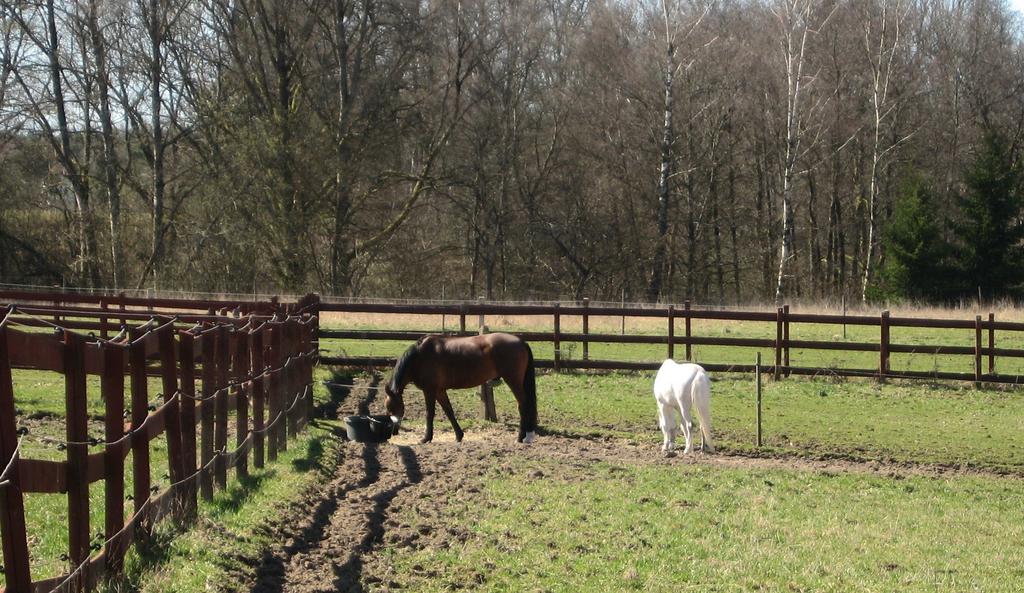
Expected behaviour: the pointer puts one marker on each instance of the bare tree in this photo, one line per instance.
(110, 159)
(883, 41)
(677, 27)
(43, 84)
(798, 21)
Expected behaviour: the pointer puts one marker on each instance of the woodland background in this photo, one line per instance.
(728, 152)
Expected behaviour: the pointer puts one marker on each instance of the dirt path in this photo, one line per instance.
(333, 537)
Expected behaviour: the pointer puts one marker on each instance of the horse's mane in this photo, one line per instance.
(402, 366)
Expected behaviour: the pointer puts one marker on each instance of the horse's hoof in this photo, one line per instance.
(528, 438)
(669, 453)
(425, 440)
(458, 438)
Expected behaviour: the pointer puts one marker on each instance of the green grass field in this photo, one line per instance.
(615, 527)
(908, 524)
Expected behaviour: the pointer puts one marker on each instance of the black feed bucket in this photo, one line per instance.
(369, 429)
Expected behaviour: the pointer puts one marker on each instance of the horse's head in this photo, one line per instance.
(396, 386)
(395, 404)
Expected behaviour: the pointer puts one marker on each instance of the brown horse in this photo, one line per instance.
(436, 364)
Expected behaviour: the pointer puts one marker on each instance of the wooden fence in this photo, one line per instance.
(255, 369)
(679, 333)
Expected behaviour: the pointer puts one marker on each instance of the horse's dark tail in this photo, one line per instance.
(529, 419)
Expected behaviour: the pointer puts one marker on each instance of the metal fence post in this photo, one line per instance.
(757, 382)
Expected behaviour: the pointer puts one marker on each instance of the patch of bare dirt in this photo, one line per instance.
(395, 495)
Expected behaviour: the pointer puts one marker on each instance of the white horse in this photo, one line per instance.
(677, 387)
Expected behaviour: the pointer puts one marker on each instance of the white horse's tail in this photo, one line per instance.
(700, 393)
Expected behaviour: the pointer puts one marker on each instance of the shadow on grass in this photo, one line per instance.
(313, 459)
(232, 499)
(149, 553)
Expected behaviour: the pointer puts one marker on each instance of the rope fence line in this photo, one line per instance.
(299, 396)
(15, 455)
(264, 363)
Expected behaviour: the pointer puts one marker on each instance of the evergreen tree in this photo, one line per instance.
(917, 256)
(990, 257)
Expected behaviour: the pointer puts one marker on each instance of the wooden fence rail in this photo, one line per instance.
(982, 353)
(241, 362)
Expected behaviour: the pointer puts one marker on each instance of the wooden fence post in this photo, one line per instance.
(295, 377)
(12, 502)
(272, 382)
(778, 343)
(186, 344)
(586, 328)
(977, 350)
(258, 383)
(112, 387)
(291, 375)
(487, 408)
(77, 432)
(220, 417)
(280, 430)
(688, 329)
(622, 330)
(785, 338)
(172, 415)
(558, 340)
(883, 346)
(671, 331)
(239, 374)
(207, 411)
(140, 438)
(991, 343)
(307, 333)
